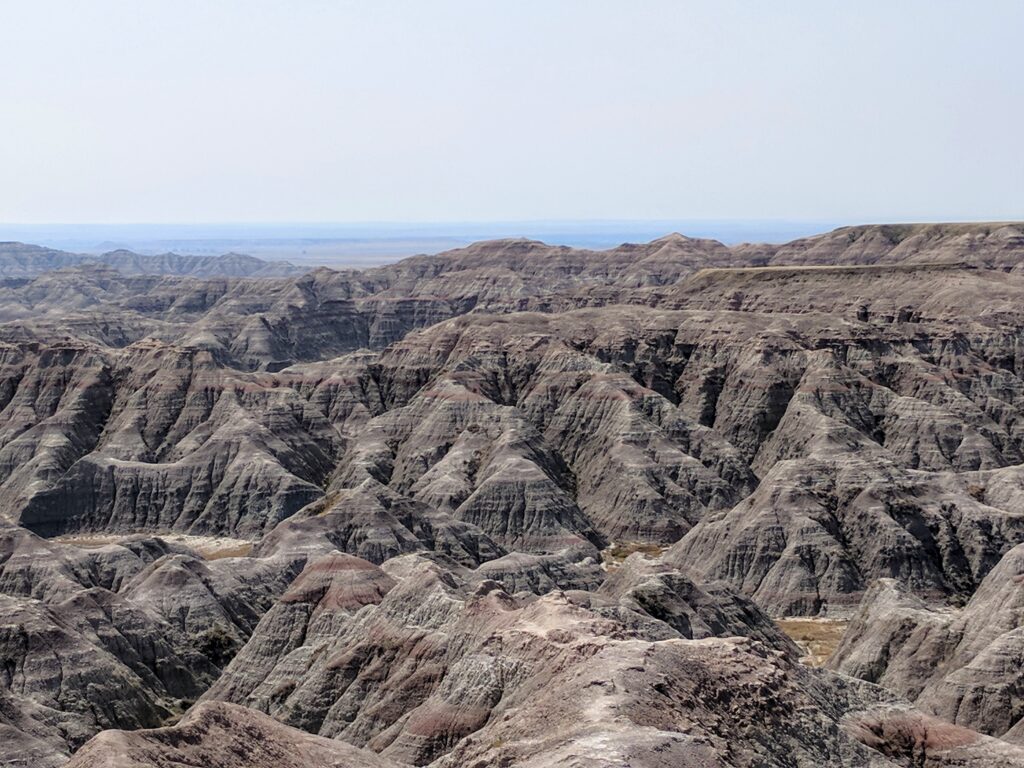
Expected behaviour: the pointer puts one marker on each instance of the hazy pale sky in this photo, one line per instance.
(326, 110)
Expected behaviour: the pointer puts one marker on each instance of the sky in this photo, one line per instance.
(472, 110)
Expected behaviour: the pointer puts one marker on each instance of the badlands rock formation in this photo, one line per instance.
(385, 517)
(226, 736)
(965, 666)
(18, 260)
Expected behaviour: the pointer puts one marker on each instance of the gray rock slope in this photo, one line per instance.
(225, 736)
(964, 666)
(414, 662)
(424, 665)
(121, 635)
(534, 432)
(431, 461)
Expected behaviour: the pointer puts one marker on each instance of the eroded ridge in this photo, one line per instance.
(518, 504)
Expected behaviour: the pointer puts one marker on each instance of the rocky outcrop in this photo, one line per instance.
(816, 533)
(34, 735)
(673, 703)
(962, 666)
(914, 739)
(425, 665)
(163, 438)
(120, 635)
(895, 640)
(696, 612)
(225, 736)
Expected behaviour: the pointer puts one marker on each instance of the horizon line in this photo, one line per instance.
(514, 221)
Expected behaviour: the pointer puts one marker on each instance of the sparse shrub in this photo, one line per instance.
(217, 645)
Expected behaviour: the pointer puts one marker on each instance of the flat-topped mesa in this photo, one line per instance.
(992, 245)
(898, 292)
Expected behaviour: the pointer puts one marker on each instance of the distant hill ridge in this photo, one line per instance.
(20, 260)
(661, 262)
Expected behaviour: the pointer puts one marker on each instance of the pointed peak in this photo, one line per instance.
(673, 237)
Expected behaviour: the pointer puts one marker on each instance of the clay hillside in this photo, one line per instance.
(668, 505)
